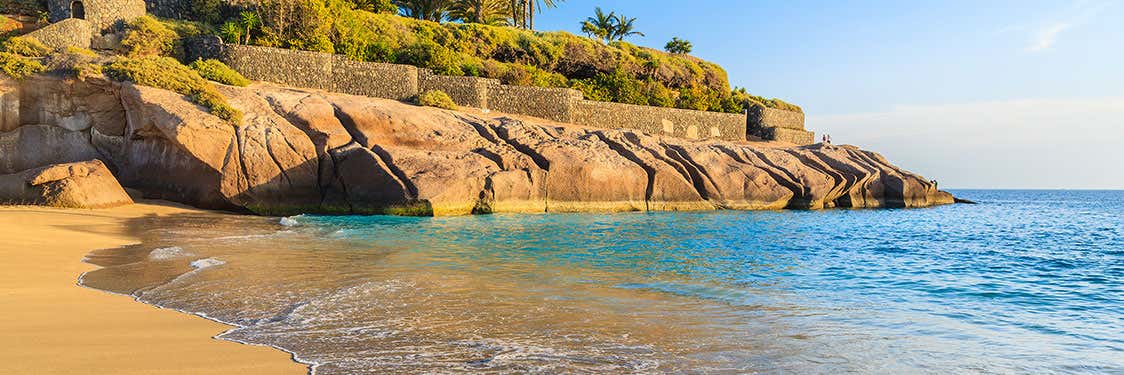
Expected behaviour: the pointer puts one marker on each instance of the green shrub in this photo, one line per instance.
(215, 70)
(77, 62)
(436, 98)
(25, 46)
(433, 56)
(167, 73)
(17, 66)
(146, 36)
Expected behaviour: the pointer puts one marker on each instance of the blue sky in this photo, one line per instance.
(977, 94)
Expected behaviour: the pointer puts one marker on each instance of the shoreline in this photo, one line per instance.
(55, 325)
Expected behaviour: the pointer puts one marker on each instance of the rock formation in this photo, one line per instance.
(306, 151)
(73, 185)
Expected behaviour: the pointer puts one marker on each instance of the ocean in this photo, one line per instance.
(1023, 282)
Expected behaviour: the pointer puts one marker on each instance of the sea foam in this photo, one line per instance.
(207, 262)
(167, 253)
(289, 222)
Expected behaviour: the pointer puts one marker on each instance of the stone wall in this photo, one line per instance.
(103, 15)
(778, 125)
(392, 81)
(68, 32)
(465, 91)
(287, 67)
(796, 136)
(549, 103)
(775, 118)
(681, 123)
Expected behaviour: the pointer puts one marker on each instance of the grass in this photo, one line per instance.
(215, 70)
(167, 73)
(436, 98)
(17, 66)
(25, 46)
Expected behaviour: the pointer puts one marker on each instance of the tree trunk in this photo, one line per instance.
(531, 14)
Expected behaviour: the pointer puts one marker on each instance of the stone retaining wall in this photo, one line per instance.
(775, 118)
(70, 32)
(465, 91)
(681, 123)
(550, 103)
(392, 81)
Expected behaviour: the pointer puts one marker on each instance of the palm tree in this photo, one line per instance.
(488, 12)
(523, 11)
(624, 27)
(542, 4)
(601, 25)
(430, 10)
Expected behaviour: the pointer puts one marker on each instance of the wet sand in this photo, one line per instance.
(52, 325)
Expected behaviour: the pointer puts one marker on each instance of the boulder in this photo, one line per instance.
(86, 184)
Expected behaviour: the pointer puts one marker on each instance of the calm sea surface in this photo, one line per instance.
(1025, 282)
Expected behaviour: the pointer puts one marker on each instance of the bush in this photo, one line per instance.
(25, 46)
(77, 62)
(17, 66)
(215, 70)
(167, 73)
(436, 98)
(145, 36)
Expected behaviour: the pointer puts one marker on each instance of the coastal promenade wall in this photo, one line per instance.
(401, 82)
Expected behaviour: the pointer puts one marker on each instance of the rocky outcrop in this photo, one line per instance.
(73, 185)
(309, 151)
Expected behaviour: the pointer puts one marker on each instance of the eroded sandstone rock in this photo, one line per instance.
(306, 151)
(73, 185)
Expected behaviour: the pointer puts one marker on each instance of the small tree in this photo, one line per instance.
(678, 46)
(624, 27)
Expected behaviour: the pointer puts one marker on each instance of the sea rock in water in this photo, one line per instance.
(73, 185)
(307, 151)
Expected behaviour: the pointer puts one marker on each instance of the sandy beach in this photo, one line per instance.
(53, 326)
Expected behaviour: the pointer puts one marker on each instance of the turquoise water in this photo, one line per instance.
(1025, 282)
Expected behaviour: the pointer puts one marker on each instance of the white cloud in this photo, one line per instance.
(1048, 36)
(1045, 36)
(1007, 144)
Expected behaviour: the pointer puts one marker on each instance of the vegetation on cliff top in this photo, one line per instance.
(17, 66)
(25, 47)
(215, 70)
(617, 71)
(167, 73)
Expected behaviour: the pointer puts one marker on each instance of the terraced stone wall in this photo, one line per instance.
(550, 103)
(465, 91)
(680, 123)
(393, 81)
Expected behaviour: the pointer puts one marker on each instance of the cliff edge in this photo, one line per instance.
(308, 151)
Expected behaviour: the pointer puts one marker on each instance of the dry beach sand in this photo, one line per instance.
(51, 325)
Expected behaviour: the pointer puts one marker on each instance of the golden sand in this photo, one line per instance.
(49, 324)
